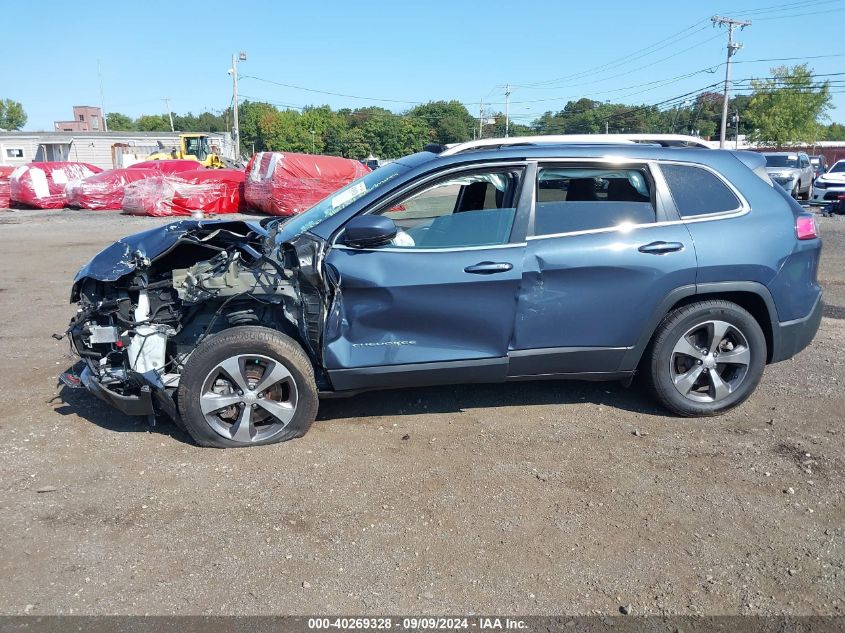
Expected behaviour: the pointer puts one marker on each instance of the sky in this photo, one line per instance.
(393, 54)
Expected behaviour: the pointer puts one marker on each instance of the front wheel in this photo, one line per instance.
(705, 358)
(247, 386)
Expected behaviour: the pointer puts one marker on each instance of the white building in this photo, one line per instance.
(103, 149)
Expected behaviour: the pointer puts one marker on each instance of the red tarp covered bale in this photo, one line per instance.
(174, 166)
(5, 186)
(42, 185)
(105, 190)
(284, 183)
(212, 191)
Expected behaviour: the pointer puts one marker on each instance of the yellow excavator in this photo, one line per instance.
(192, 146)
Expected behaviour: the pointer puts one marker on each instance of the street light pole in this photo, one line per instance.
(732, 49)
(235, 124)
(313, 132)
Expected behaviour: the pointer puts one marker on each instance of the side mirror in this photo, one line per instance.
(369, 231)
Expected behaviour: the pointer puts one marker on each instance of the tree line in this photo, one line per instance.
(791, 106)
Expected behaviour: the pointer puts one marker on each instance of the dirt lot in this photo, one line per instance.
(525, 498)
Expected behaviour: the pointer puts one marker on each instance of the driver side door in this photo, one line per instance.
(437, 304)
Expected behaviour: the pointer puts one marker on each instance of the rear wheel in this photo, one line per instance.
(705, 358)
(247, 386)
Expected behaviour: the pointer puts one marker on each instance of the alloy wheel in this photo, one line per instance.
(710, 361)
(248, 398)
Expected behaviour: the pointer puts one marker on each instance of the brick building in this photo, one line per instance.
(85, 119)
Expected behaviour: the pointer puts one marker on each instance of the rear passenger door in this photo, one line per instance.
(603, 251)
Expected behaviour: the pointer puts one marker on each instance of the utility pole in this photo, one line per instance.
(235, 127)
(102, 98)
(481, 119)
(732, 49)
(169, 113)
(507, 110)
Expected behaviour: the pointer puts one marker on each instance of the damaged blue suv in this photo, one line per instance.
(489, 261)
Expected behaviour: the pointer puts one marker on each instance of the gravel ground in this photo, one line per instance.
(528, 498)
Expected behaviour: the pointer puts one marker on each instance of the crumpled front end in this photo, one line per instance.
(147, 301)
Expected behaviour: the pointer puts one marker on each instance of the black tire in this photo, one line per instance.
(266, 346)
(796, 191)
(806, 195)
(663, 365)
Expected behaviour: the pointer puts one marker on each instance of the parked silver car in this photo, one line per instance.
(792, 171)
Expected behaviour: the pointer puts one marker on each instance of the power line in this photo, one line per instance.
(799, 15)
(783, 7)
(637, 54)
(787, 59)
(327, 92)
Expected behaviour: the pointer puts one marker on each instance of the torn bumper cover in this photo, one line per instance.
(147, 301)
(140, 404)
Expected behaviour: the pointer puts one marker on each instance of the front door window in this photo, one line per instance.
(475, 209)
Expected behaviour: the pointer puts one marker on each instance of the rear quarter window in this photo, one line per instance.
(697, 191)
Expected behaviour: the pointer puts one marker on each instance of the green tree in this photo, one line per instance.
(153, 123)
(788, 107)
(286, 131)
(447, 121)
(203, 122)
(497, 128)
(333, 135)
(355, 144)
(12, 116)
(834, 132)
(250, 115)
(119, 122)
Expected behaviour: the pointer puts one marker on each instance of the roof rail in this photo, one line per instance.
(581, 139)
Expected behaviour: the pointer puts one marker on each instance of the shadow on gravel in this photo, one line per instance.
(833, 312)
(452, 399)
(89, 407)
(448, 399)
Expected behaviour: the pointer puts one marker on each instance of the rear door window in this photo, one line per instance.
(574, 199)
(697, 191)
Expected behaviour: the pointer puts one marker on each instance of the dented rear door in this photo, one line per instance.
(587, 296)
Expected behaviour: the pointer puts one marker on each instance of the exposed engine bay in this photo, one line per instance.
(147, 301)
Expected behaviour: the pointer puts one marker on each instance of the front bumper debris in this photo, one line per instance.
(140, 404)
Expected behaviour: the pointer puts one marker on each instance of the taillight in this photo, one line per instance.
(806, 227)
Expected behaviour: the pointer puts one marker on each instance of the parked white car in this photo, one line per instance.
(829, 186)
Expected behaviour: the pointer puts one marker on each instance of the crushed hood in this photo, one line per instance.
(127, 253)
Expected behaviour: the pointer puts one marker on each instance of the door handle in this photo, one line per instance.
(659, 248)
(488, 268)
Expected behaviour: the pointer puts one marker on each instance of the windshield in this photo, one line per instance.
(840, 166)
(338, 200)
(782, 160)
